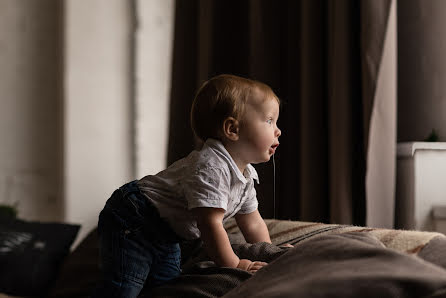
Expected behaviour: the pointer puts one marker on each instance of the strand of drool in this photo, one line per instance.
(274, 188)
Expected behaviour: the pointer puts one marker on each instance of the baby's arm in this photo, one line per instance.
(253, 227)
(216, 241)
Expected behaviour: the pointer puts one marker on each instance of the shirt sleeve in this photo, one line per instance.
(207, 187)
(251, 204)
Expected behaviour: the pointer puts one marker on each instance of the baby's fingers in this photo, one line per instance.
(256, 266)
(258, 263)
(286, 245)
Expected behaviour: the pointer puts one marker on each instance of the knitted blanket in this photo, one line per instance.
(326, 261)
(295, 232)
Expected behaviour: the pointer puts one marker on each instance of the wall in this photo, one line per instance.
(421, 69)
(97, 88)
(85, 90)
(31, 103)
(117, 91)
(154, 47)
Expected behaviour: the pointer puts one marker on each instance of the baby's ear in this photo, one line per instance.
(231, 128)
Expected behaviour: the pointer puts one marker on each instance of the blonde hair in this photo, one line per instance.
(221, 97)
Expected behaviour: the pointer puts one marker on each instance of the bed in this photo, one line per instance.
(326, 260)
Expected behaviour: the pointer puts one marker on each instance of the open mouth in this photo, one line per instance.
(273, 148)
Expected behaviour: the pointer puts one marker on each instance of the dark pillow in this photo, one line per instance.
(80, 271)
(31, 254)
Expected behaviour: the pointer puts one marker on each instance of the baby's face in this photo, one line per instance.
(259, 134)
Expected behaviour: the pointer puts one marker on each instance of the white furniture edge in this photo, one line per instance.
(407, 149)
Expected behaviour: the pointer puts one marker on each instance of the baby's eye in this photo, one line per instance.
(269, 121)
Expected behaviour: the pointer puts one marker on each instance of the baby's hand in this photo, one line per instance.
(251, 267)
(286, 245)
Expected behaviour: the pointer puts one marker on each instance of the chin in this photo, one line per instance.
(261, 160)
(268, 158)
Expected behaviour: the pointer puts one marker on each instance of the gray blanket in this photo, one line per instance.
(340, 265)
(201, 278)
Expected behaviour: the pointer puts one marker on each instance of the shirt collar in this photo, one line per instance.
(250, 172)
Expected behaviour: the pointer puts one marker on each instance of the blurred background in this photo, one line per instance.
(97, 93)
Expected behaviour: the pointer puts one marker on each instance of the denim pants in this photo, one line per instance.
(138, 248)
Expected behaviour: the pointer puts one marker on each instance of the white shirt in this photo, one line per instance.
(205, 178)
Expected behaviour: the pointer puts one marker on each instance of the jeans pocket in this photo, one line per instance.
(133, 213)
(119, 220)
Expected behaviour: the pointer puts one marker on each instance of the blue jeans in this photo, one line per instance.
(137, 247)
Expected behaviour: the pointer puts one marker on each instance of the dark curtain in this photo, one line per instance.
(321, 59)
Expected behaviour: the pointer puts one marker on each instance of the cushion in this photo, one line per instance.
(347, 265)
(31, 254)
(80, 271)
(356, 258)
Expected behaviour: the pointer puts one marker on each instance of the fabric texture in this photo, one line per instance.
(402, 261)
(295, 232)
(345, 265)
(31, 254)
(202, 278)
(80, 272)
(205, 178)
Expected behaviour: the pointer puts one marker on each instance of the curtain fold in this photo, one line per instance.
(316, 57)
